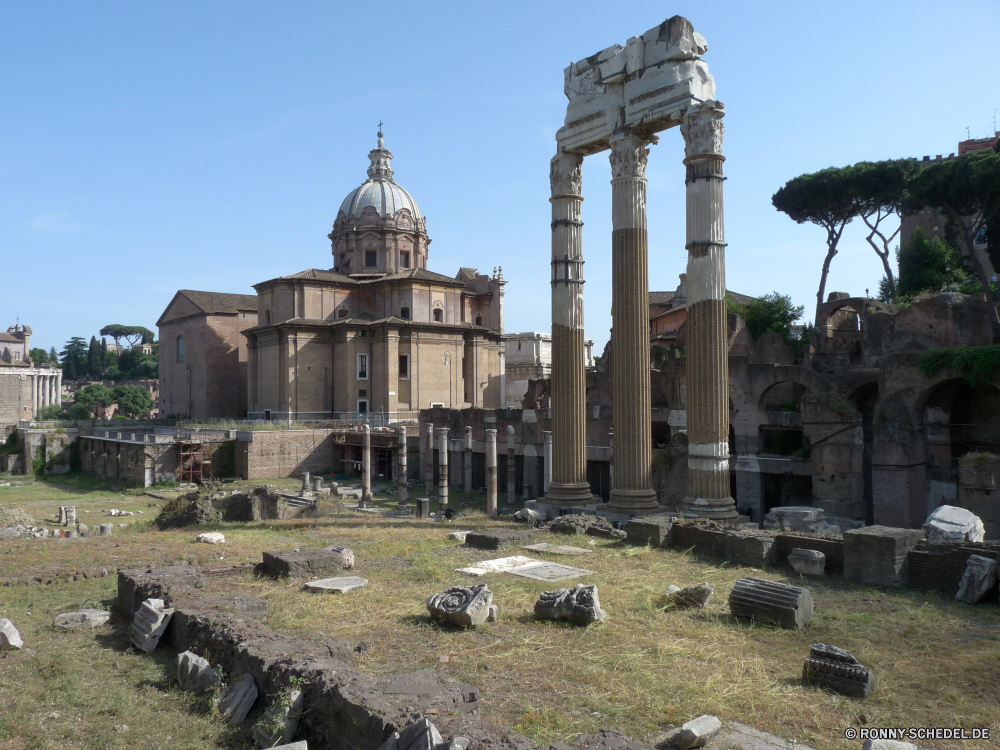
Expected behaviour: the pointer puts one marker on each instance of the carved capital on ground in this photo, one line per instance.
(628, 157)
(566, 174)
(702, 130)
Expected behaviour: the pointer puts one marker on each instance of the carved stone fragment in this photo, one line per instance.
(149, 624)
(808, 562)
(693, 596)
(467, 606)
(280, 721)
(980, 576)
(237, 699)
(195, 673)
(787, 606)
(836, 669)
(578, 605)
(9, 635)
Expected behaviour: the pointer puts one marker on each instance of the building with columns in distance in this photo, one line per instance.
(25, 386)
(377, 332)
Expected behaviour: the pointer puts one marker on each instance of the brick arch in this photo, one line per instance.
(826, 310)
(763, 379)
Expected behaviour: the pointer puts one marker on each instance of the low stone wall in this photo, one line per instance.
(832, 547)
(940, 566)
(265, 454)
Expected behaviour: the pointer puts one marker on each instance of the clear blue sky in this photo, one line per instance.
(149, 147)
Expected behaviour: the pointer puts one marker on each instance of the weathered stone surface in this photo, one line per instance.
(211, 537)
(468, 606)
(533, 517)
(149, 624)
(980, 576)
(420, 735)
(105, 529)
(736, 736)
(793, 518)
(497, 538)
(951, 524)
(603, 739)
(696, 733)
(836, 669)
(9, 635)
(693, 596)
(557, 549)
(195, 673)
(339, 585)
(84, 618)
(280, 720)
(300, 745)
(496, 565)
(423, 507)
(346, 555)
(808, 562)
(579, 605)
(548, 571)
(237, 699)
(458, 536)
(877, 555)
(304, 563)
(888, 745)
(787, 606)
(655, 532)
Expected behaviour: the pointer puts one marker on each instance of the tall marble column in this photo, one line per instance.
(442, 436)
(632, 491)
(569, 484)
(52, 389)
(429, 458)
(402, 493)
(366, 466)
(59, 389)
(44, 380)
(491, 472)
(35, 395)
(467, 461)
(708, 494)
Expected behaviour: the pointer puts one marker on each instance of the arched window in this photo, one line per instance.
(342, 313)
(180, 350)
(438, 315)
(404, 313)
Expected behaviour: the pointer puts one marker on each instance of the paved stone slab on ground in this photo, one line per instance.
(340, 585)
(9, 635)
(498, 565)
(84, 618)
(548, 571)
(557, 549)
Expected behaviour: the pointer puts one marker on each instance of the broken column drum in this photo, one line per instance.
(428, 440)
(442, 436)
(708, 493)
(619, 99)
(467, 462)
(568, 485)
(401, 490)
(491, 472)
(632, 420)
(366, 465)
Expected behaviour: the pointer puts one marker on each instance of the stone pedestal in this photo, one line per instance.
(491, 472)
(708, 493)
(467, 461)
(632, 491)
(402, 493)
(442, 439)
(568, 485)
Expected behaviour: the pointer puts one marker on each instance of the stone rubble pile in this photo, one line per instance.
(34, 532)
(423, 735)
(116, 512)
(150, 622)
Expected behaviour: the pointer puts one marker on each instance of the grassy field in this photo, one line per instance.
(937, 662)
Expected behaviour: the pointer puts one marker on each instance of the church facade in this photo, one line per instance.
(378, 332)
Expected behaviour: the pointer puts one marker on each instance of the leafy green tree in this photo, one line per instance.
(39, 355)
(95, 394)
(823, 198)
(132, 334)
(78, 412)
(773, 312)
(133, 400)
(967, 190)
(51, 411)
(927, 264)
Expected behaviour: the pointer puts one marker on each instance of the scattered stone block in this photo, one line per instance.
(105, 529)
(281, 720)
(10, 638)
(339, 585)
(951, 524)
(237, 699)
(693, 596)
(980, 576)
(211, 537)
(346, 555)
(420, 735)
(467, 606)
(877, 555)
(84, 618)
(751, 547)
(459, 535)
(787, 606)
(579, 605)
(497, 538)
(836, 669)
(10, 531)
(304, 563)
(548, 571)
(653, 532)
(807, 562)
(82, 529)
(794, 518)
(423, 507)
(533, 517)
(149, 624)
(888, 745)
(195, 673)
(557, 549)
(696, 733)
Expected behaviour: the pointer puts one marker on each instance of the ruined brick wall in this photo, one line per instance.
(15, 395)
(283, 453)
(978, 479)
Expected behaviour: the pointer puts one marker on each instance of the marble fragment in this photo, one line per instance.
(579, 605)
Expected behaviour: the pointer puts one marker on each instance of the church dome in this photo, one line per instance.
(380, 190)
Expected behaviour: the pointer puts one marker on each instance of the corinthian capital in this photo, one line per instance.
(628, 157)
(566, 174)
(702, 129)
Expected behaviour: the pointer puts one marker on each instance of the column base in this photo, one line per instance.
(577, 493)
(636, 502)
(716, 509)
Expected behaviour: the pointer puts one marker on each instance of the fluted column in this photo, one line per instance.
(402, 493)
(569, 484)
(35, 406)
(44, 379)
(59, 389)
(547, 457)
(429, 458)
(442, 436)
(708, 494)
(52, 389)
(632, 491)
(491, 472)
(366, 465)
(467, 462)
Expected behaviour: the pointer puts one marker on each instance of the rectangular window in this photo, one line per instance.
(404, 313)
(404, 260)
(362, 406)
(362, 367)
(371, 258)
(363, 393)
(404, 366)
